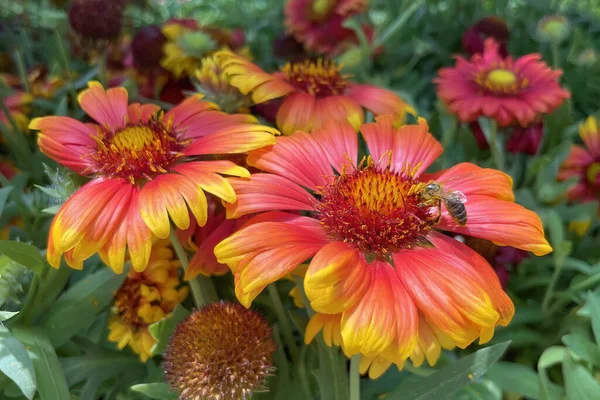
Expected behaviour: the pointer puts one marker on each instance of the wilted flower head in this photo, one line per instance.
(97, 19)
(220, 352)
(501, 88)
(583, 163)
(144, 298)
(318, 24)
(493, 27)
(553, 28)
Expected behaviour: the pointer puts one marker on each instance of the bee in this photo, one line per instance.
(434, 194)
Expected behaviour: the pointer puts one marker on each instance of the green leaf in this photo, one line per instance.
(332, 376)
(550, 357)
(16, 364)
(582, 348)
(158, 390)
(162, 330)
(23, 253)
(51, 382)
(516, 378)
(77, 308)
(4, 192)
(594, 307)
(97, 366)
(451, 378)
(579, 383)
(6, 315)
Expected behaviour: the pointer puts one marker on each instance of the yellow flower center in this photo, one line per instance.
(502, 77)
(319, 78)
(592, 173)
(137, 152)
(500, 81)
(377, 210)
(320, 9)
(134, 138)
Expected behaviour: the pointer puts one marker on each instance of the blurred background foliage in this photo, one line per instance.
(555, 335)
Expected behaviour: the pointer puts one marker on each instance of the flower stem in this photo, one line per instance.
(65, 65)
(200, 299)
(284, 322)
(22, 70)
(355, 377)
(495, 147)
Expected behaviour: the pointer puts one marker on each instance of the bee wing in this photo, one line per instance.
(456, 196)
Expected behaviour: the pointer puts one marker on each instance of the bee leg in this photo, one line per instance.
(439, 215)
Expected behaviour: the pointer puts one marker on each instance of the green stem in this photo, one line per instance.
(284, 321)
(22, 70)
(550, 290)
(555, 57)
(355, 377)
(495, 147)
(9, 116)
(65, 65)
(199, 297)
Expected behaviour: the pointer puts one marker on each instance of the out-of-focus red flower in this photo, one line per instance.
(526, 140)
(494, 27)
(97, 19)
(479, 136)
(146, 47)
(288, 48)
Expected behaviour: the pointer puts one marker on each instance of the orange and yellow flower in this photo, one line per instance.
(318, 24)
(506, 90)
(144, 298)
(583, 163)
(314, 91)
(381, 274)
(203, 239)
(143, 173)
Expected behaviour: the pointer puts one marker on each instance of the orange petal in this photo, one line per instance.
(296, 113)
(411, 146)
(67, 141)
(188, 110)
(330, 323)
(298, 157)
(340, 142)
(380, 101)
(159, 199)
(336, 279)
(106, 107)
(453, 302)
(371, 326)
(233, 140)
(470, 179)
(502, 222)
(137, 112)
(267, 192)
(337, 108)
(210, 122)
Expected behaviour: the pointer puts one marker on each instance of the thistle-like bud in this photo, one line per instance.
(553, 29)
(220, 352)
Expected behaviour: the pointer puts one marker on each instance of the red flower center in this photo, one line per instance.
(500, 81)
(319, 78)
(139, 151)
(376, 210)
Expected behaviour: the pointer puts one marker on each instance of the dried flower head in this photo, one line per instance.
(222, 351)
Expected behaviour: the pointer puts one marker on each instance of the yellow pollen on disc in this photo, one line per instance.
(320, 9)
(134, 138)
(592, 172)
(319, 78)
(502, 77)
